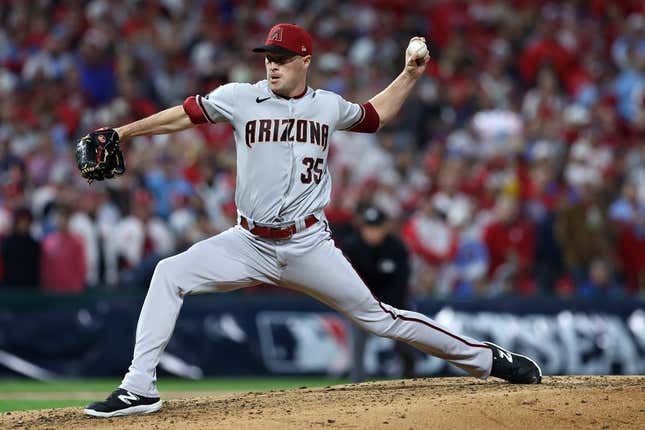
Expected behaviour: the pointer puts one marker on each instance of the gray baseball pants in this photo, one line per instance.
(309, 262)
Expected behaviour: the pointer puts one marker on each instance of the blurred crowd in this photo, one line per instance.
(517, 166)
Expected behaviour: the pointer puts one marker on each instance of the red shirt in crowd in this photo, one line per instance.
(63, 266)
(504, 240)
(545, 52)
(418, 233)
(631, 252)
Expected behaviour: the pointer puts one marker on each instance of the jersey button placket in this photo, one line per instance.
(292, 176)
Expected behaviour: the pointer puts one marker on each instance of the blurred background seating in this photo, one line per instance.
(517, 166)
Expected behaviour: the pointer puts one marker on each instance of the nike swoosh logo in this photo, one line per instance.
(259, 100)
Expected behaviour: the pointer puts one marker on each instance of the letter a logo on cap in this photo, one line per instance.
(276, 35)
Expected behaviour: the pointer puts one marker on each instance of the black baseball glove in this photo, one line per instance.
(98, 155)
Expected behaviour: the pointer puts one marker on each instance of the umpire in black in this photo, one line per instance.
(381, 260)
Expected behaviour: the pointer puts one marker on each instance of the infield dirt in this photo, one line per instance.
(597, 402)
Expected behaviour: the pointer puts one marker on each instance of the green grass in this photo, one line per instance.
(22, 388)
(169, 384)
(26, 405)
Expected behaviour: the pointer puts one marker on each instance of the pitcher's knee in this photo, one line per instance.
(377, 328)
(379, 319)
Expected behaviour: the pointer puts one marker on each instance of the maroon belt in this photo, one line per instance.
(277, 233)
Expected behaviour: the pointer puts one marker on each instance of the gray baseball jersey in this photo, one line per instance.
(282, 146)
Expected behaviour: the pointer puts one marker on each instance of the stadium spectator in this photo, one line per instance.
(510, 241)
(628, 87)
(632, 37)
(21, 253)
(96, 68)
(433, 241)
(624, 210)
(166, 184)
(543, 105)
(466, 274)
(631, 253)
(542, 193)
(600, 283)
(138, 242)
(583, 228)
(526, 100)
(62, 265)
(84, 224)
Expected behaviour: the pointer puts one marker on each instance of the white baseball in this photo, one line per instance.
(417, 48)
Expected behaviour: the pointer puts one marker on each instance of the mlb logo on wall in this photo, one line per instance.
(303, 342)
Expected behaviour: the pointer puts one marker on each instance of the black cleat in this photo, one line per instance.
(123, 402)
(514, 368)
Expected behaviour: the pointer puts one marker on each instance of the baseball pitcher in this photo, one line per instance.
(282, 129)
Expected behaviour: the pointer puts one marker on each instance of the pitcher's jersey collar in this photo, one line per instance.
(307, 90)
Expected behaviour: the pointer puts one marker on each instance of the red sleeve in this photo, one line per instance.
(193, 110)
(369, 121)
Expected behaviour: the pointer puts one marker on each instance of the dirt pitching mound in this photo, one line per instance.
(449, 403)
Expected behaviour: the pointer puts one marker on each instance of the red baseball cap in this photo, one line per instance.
(287, 39)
